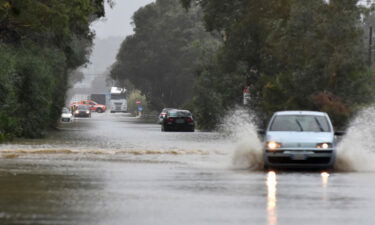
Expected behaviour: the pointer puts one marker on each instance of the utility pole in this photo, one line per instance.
(370, 47)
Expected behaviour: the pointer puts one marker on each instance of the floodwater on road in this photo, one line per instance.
(111, 169)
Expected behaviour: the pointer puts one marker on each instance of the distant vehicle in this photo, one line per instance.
(99, 98)
(163, 114)
(178, 120)
(299, 139)
(117, 101)
(66, 115)
(82, 111)
(93, 105)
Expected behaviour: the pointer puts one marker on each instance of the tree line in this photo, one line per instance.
(292, 54)
(41, 43)
(160, 59)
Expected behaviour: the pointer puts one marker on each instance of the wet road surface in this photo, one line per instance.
(111, 169)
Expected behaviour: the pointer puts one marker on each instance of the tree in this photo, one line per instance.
(160, 59)
(305, 55)
(40, 42)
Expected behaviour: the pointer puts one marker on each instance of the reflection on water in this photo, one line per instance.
(111, 134)
(28, 198)
(325, 177)
(271, 198)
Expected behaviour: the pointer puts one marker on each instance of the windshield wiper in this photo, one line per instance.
(320, 125)
(299, 124)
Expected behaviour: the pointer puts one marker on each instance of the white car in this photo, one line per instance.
(302, 139)
(66, 115)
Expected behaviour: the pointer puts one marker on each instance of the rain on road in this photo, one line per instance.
(112, 169)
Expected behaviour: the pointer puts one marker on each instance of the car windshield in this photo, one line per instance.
(166, 110)
(65, 110)
(179, 114)
(301, 123)
(118, 96)
(82, 107)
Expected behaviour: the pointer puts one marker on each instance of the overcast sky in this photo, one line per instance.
(110, 32)
(118, 19)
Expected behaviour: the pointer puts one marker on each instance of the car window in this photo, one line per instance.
(82, 107)
(65, 110)
(166, 110)
(301, 123)
(179, 114)
(118, 96)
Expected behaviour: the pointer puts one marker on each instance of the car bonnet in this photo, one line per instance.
(300, 137)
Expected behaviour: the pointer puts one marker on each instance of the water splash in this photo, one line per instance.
(356, 151)
(19, 152)
(239, 125)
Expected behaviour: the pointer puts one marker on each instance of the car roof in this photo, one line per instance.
(179, 110)
(313, 113)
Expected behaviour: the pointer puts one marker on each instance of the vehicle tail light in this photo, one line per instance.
(189, 120)
(170, 120)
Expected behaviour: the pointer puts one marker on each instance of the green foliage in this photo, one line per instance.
(32, 90)
(40, 41)
(207, 104)
(8, 98)
(301, 55)
(161, 58)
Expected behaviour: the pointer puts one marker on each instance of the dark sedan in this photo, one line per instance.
(163, 114)
(178, 120)
(82, 111)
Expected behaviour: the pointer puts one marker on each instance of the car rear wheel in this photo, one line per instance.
(164, 128)
(99, 110)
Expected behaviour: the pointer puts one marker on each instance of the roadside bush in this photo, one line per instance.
(40, 41)
(32, 87)
(8, 99)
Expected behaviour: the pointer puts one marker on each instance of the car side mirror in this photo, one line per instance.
(340, 133)
(261, 132)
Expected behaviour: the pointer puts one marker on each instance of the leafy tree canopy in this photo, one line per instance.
(305, 55)
(161, 58)
(40, 42)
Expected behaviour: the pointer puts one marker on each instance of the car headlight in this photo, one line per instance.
(272, 145)
(324, 145)
(87, 111)
(76, 112)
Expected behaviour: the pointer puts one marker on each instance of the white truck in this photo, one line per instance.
(117, 100)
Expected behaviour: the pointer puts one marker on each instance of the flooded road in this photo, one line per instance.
(111, 169)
